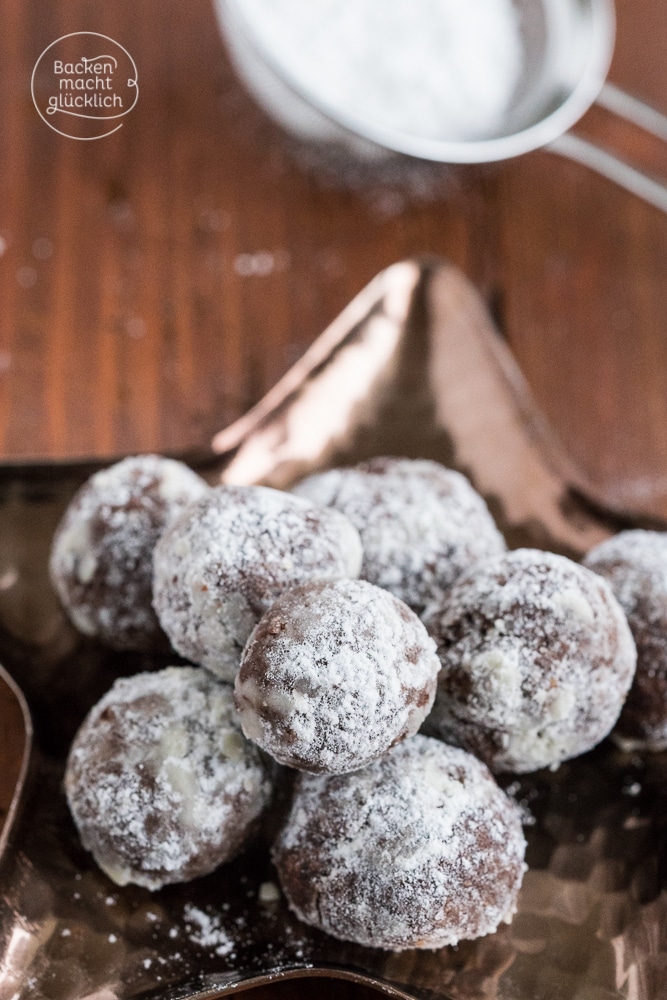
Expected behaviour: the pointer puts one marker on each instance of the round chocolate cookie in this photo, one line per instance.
(421, 524)
(334, 675)
(102, 555)
(227, 559)
(635, 564)
(419, 850)
(161, 783)
(537, 659)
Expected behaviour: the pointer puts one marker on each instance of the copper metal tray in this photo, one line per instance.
(412, 367)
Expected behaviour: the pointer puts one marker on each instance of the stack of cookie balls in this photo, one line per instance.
(382, 642)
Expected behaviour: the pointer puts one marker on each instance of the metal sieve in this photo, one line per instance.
(568, 45)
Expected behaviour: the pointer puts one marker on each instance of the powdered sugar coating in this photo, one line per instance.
(161, 783)
(537, 658)
(421, 524)
(635, 564)
(227, 559)
(419, 850)
(334, 675)
(102, 555)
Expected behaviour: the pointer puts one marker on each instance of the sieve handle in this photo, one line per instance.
(606, 163)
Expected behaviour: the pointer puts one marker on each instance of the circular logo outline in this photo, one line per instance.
(134, 82)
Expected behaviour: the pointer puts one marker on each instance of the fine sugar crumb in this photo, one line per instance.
(436, 69)
(260, 264)
(205, 929)
(514, 791)
(268, 892)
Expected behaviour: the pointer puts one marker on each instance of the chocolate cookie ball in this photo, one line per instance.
(419, 850)
(421, 525)
(227, 559)
(102, 556)
(334, 675)
(160, 781)
(635, 564)
(537, 659)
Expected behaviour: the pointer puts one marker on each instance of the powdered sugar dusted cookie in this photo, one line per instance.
(334, 675)
(537, 659)
(421, 525)
(419, 850)
(102, 556)
(161, 783)
(635, 564)
(227, 559)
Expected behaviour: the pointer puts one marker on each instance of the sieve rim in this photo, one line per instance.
(541, 133)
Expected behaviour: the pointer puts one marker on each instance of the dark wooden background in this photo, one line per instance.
(154, 284)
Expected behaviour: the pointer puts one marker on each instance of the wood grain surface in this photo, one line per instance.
(154, 284)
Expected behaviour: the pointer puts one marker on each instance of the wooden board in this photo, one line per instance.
(155, 284)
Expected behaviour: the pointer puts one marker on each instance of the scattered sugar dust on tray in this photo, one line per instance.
(386, 188)
(206, 930)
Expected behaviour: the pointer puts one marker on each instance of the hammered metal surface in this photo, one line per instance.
(592, 921)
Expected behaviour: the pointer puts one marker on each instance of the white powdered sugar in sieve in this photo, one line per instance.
(439, 69)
